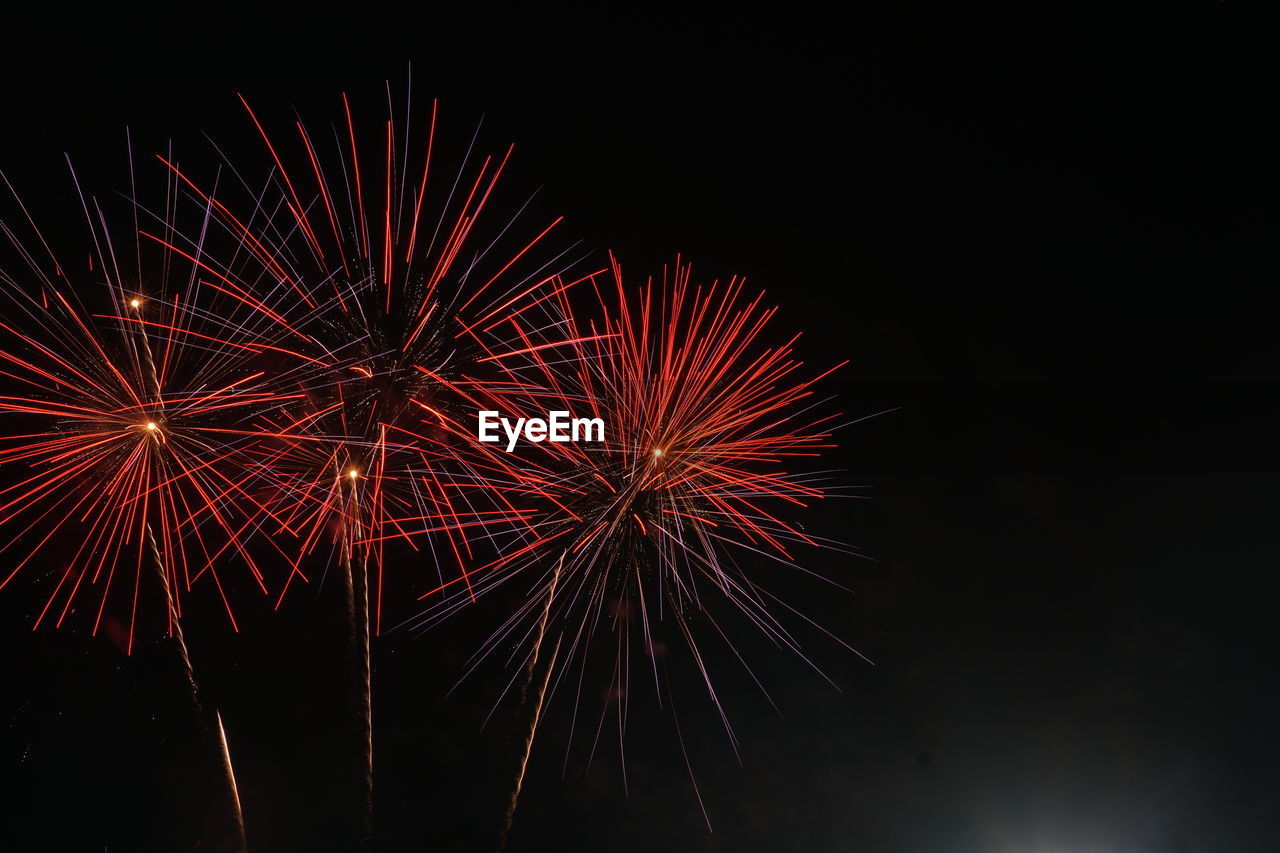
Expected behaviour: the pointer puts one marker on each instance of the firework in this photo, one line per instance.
(123, 479)
(710, 440)
(377, 281)
(365, 272)
(118, 392)
(310, 366)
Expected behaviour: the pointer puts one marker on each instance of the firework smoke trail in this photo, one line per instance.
(189, 675)
(354, 257)
(231, 777)
(357, 598)
(527, 749)
(704, 422)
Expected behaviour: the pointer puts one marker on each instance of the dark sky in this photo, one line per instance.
(1047, 236)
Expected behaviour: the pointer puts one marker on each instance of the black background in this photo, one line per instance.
(1047, 236)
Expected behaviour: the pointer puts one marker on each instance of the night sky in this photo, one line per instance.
(1047, 238)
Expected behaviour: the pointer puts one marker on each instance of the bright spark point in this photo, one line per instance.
(136, 303)
(353, 473)
(657, 451)
(151, 425)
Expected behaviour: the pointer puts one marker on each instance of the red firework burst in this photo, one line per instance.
(705, 428)
(364, 271)
(118, 391)
(378, 288)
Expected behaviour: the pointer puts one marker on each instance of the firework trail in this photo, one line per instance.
(229, 770)
(357, 565)
(704, 421)
(527, 749)
(224, 753)
(360, 263)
